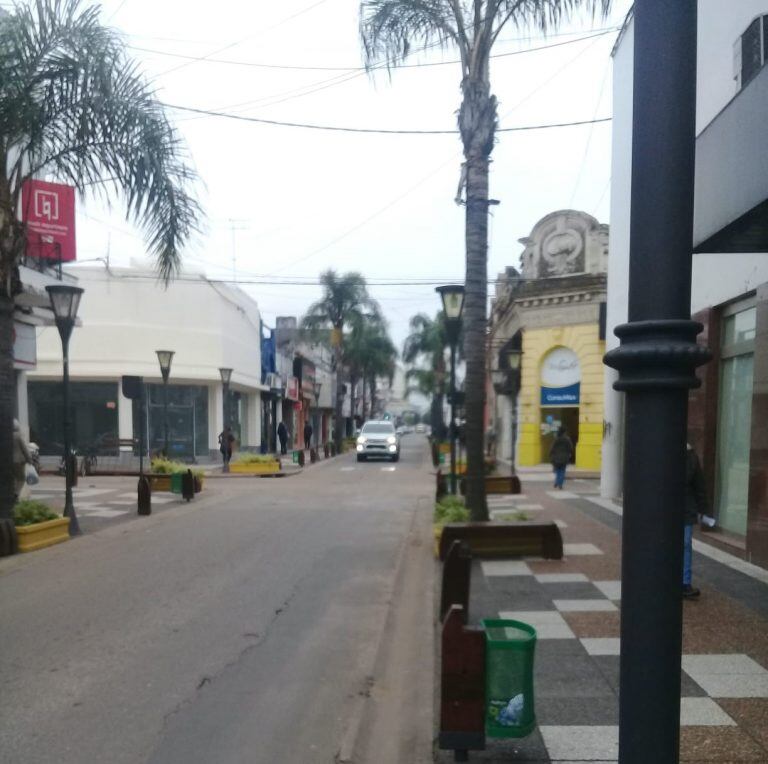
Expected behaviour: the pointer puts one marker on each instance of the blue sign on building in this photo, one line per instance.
(561, 396)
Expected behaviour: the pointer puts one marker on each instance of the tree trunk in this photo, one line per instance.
(7, 394)
(365, 410)
(372, 388)
(338, 418)
(477, 123)
(353, 399)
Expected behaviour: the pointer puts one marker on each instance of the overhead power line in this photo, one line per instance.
(291, 67)
(370, 130)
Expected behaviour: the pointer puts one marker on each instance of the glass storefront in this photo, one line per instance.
(735, 418)
(187, 420)
(94, 417)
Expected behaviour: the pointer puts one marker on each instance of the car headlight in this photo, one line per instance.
(361, 440)
(391, 440)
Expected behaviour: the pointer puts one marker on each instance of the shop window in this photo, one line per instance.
(94, 425)
(735, 416)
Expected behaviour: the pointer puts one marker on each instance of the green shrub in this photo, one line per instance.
(162, 466)
(29, 512)
(248, 458)
(510, 516)
(451, 509)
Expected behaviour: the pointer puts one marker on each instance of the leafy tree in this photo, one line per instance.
(392, 30)
(345, 303)
(74, 106)
(424, 350)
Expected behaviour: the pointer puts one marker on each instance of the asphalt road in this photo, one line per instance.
(244, 627)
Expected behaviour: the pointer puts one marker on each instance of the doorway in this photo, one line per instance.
(552, 419)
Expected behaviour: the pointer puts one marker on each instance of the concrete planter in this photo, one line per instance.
(254, 468)
(41, 535)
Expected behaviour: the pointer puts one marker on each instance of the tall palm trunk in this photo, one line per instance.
(365, 408)
(353, 379)
(372, 387)
(7, 390)
(477, 123)
(338, 418)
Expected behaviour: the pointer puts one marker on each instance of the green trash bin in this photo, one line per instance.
(509, 704)
(176, 482)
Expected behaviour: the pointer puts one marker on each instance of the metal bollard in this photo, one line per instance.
(188, 485)
(144, 496)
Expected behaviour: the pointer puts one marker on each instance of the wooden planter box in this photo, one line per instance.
(41, 535)
(254, 468)
(522, 538)
(160, 482)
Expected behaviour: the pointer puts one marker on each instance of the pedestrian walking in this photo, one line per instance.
(282, 436)
(307, 436)
(695, 504)
(490, 442)
(560, 456)
(21, 458)
(226, 443)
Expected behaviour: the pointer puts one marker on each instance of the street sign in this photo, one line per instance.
(48, 211)
(132, 387)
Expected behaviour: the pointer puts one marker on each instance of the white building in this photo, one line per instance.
(126, 315)
(730, 264)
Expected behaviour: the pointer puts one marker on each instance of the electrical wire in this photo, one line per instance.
(377, 131)
(289, 67)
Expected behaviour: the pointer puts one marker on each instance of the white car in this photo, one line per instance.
(378, 438)
(420, 427)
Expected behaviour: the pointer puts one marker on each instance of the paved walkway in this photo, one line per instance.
(575, 606)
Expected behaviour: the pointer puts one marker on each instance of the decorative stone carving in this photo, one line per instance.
(565, 243)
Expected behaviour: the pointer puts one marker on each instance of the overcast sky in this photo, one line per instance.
(289, 202)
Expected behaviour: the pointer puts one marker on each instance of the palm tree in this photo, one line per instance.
(379, 361)
(389, 30)
(75, 107)
(345, 303)
(426, 344)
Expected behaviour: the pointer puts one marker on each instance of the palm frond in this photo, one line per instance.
(390, 28)
(73, 104)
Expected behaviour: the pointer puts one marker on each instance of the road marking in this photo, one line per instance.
(388, 469)
(347, 469)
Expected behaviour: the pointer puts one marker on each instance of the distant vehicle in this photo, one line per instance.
(401, 430)
(421, 427)
(378, 438)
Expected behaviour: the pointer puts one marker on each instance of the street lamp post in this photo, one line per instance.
(452, 296)
(226, 376)
(656, 361)
(165, 357)
(514, 357)
(65, 301)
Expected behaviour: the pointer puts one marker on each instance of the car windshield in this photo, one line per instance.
(378, 428)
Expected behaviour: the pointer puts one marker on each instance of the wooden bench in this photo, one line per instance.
(516, 539)
(497, 484)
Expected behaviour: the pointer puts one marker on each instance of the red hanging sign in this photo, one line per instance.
(48, 210)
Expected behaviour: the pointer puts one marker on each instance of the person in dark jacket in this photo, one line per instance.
(695, 504)
(307, 436)
(282, 436)
(560, 456)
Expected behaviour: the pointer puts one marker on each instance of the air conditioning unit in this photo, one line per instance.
(274, 381)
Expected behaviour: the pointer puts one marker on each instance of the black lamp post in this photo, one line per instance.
(452, 296)
(65, 301)
(165, 357)
(656, 361)
(226, 376)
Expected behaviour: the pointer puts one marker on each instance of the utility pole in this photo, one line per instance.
(234, 226)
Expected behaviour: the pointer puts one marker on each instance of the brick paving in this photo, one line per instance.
(575, 606)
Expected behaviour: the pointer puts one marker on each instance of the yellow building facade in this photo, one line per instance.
(551, 312)
(539, 419)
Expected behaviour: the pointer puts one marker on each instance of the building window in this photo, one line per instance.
(735, 416)
(753, 49)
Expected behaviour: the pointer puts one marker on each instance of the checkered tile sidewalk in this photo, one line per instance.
(574, 604)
